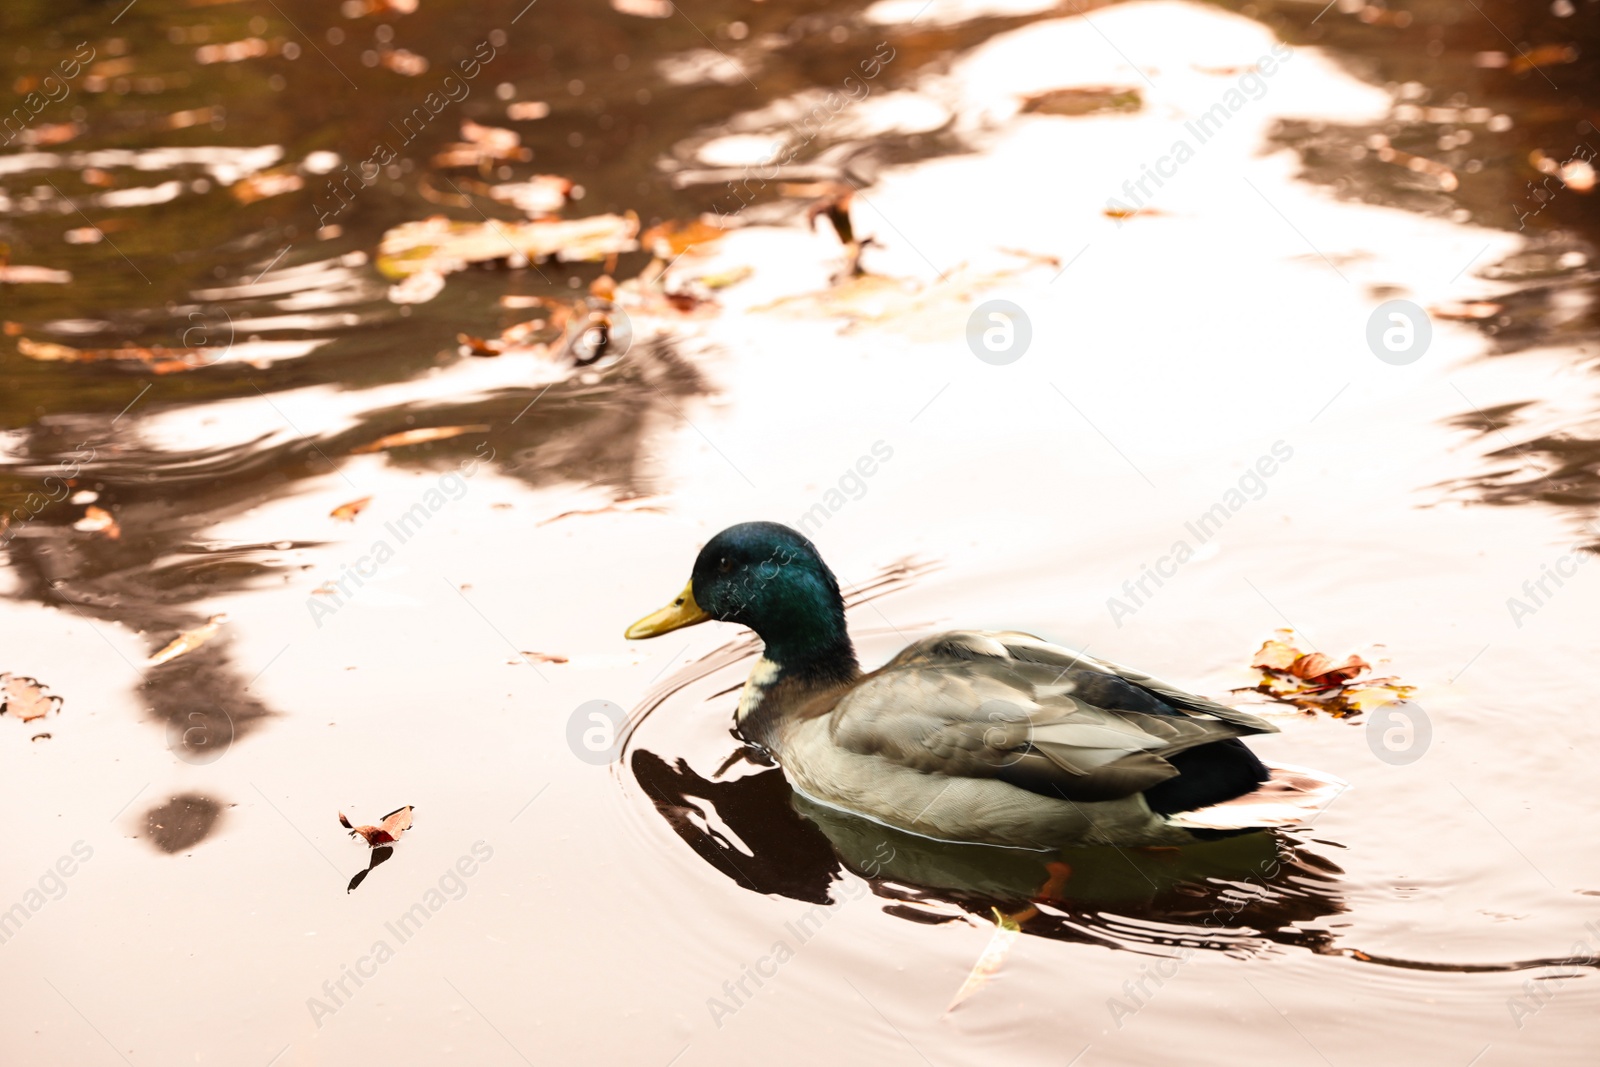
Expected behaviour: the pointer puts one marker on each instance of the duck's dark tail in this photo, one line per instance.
(1208, 774)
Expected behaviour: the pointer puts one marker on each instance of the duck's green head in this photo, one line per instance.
(770, 578)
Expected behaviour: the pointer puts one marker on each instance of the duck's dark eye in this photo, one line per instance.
(724, 564)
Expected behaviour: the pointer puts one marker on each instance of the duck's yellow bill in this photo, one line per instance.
(675, 616)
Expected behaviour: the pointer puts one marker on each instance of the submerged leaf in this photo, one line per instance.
(990, 961)
(418, 437)
(188, 641)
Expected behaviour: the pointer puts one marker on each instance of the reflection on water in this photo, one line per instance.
(227, 350)
(182, 822)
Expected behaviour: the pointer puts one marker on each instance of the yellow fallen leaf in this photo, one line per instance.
(188, 641)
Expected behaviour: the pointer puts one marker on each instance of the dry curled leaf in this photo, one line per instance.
(386, 832)
(1313, 681)
(188, 641)
(348, 512)
(25, 698)
(418, 437)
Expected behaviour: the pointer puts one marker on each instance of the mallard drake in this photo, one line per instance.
(992, 737)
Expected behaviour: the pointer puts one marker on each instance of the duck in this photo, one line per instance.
(983, 737)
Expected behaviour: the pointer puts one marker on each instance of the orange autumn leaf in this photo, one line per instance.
(668, 240)
(478, 346)
(418, 437)
(25, 698)
(1317, 668)
(1545, 55)
(386, 832)
(348, 512)
(1314, 682)
(188, 641)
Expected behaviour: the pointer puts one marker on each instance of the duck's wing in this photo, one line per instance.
(1018, 709)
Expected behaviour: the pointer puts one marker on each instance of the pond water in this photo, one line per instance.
(1196, 211)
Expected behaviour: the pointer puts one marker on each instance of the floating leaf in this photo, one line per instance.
(418, 437)
(668, 240)
(417, 289)
(348, 512)
(542, 657)
(266, 184)
(16, 274)
(1313, 681)
(442, 246)
(1083, 101)
(1545, 55)
(232, 52)
(478, 346)
(98, 520)
(188, 641)
(1466, 311)
(481, 145)
(25, 698)
(159, 359)
(527, 110)
(387, 832)
(403, 62)
(644, 9)
(542, 194)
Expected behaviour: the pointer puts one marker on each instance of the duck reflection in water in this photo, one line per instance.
(1235, 894)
